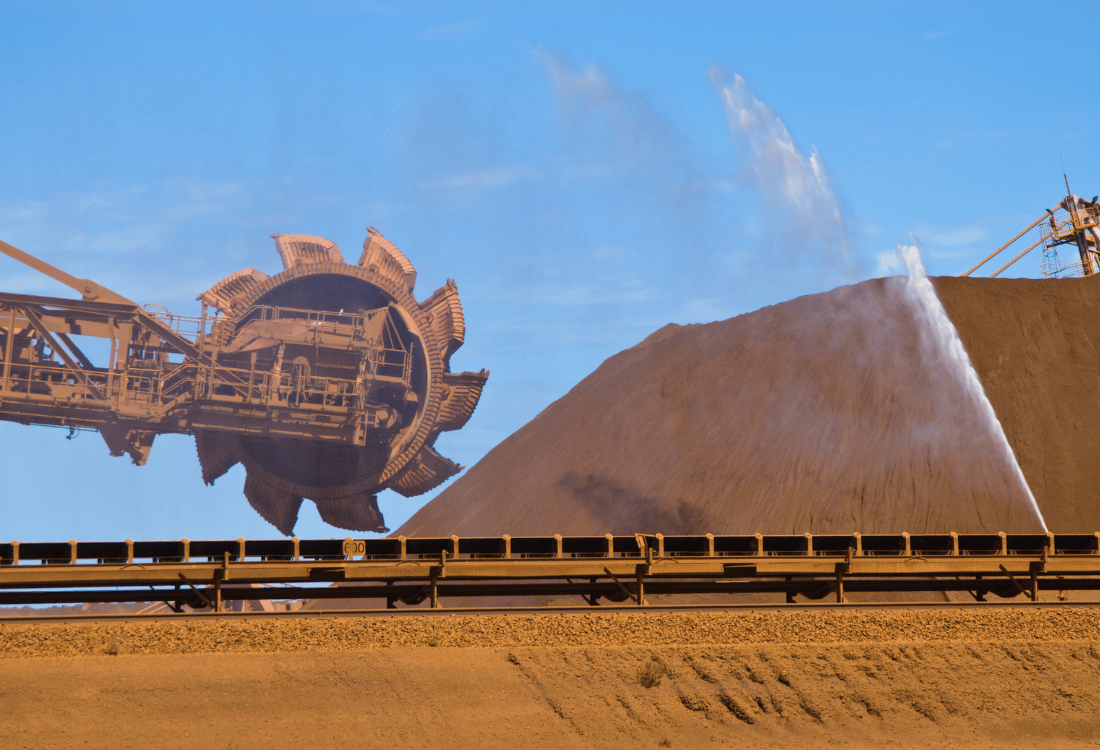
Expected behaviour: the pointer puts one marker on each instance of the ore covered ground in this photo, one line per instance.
(857, 679)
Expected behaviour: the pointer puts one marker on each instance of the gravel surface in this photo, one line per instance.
(193, 636)
(859, 679)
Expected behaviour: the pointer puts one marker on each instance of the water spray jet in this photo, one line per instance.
(949, 349)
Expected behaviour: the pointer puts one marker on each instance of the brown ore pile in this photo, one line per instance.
(829, 413)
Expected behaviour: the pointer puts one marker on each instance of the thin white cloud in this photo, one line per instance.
(608, 252)
(89, 233)
(959, 139)
(121, 219)
(955, 236)
(586, 171)
(595, 293)
(132, 238)
(382, 209)
(15, 278)
(705, 310)
(450, 30)
(477, 181)
(571, 327)
(723, 184)
(947, 255)
(553, 290)
(16, 210)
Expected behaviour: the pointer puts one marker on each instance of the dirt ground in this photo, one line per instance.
(856, 679)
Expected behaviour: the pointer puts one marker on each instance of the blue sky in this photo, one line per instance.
(585, 174)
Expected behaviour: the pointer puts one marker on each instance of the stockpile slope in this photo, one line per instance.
(1034, 345)
(829, 413)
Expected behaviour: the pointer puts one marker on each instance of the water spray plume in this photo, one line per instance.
(948, 348)
(795, 186)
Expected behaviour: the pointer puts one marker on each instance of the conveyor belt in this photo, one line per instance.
(206, 574)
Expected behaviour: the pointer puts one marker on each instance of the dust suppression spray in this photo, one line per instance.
(949, 349)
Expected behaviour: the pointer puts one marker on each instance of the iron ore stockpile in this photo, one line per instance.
(821, 414)
(825, 414)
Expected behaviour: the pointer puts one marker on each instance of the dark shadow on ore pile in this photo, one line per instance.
(830, 413)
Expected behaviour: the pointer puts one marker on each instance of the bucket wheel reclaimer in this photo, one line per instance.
(332, 333)
(327, 381)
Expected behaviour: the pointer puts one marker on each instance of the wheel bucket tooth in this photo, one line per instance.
(304, 250)
(425, 471)
(235, 286)
(358, 512)
(462, 392)
(448, 322)
(216, 455)
(277, 506)
(382, 257)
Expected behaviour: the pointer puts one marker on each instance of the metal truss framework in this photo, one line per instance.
(157, 379)
(1075, 221)
(206, 574)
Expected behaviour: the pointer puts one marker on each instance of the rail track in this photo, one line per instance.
(206, 575)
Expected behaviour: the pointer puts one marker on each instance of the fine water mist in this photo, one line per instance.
(948, 348)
